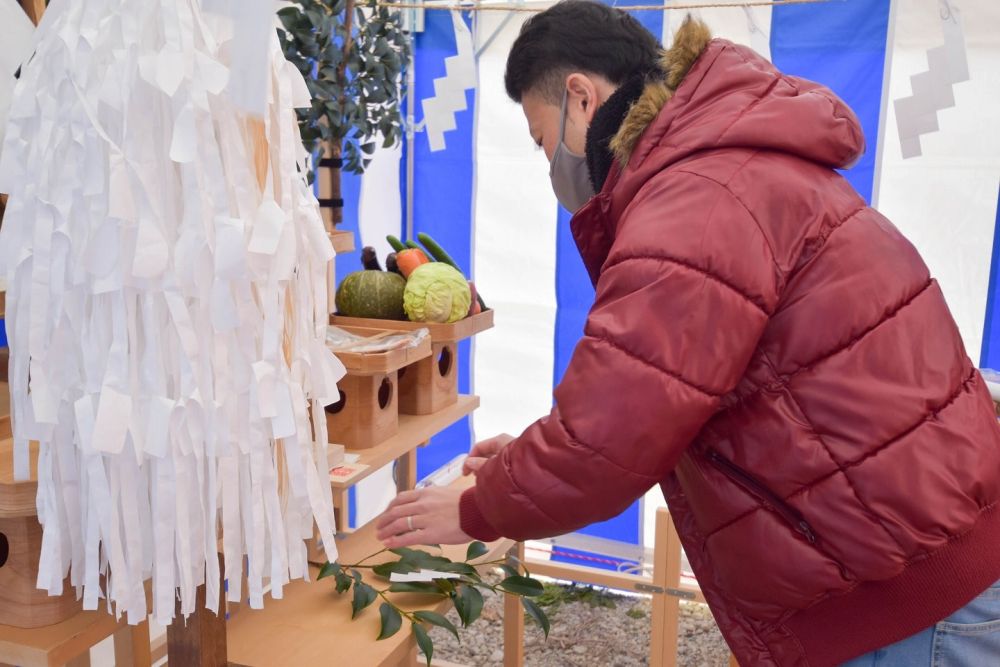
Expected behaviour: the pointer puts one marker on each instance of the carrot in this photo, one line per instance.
(408, 260)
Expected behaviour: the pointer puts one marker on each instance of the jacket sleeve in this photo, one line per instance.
(681, 304)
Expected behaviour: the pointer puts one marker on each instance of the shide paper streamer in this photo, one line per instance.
(167, 308)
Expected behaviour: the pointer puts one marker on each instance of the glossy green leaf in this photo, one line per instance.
(535, 612)
(344, 582)
(328, 570)
(421, 587)
(468, 604)
(424, 641)
(522, 586)
(364, 595)
(391, 621)
(437, 619)
(476, 550)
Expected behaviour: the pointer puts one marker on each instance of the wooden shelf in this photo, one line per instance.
(342, 241)
(312, 625)
(440, 333)
(414, 430)
(56, 644)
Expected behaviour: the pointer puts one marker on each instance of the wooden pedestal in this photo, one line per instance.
(367, 413)
(431, 384)
(22, 605)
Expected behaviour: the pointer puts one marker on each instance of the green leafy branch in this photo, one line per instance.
(465, 591)
(352, 56)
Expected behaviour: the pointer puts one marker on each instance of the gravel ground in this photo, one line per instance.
(589, 628)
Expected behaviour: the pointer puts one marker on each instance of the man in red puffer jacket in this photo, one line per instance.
(763, 345)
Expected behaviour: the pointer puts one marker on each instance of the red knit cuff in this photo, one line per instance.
(474, 524)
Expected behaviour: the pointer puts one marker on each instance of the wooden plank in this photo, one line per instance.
(605, 578)
(380, 363)
(414, 430)
(440, 333)
(82, 660)
(311, 625)
(58, 644)
(132, 648)
(513, 617)
(342, 241)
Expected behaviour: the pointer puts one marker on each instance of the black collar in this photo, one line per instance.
(607, 121)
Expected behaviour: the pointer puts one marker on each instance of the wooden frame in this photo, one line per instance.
(665, 587)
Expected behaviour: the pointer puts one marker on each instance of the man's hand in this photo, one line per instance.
(484, 451)
(425, 516)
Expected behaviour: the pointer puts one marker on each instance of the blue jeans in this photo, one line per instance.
(968, 638)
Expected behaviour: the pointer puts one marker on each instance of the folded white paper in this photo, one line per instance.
(166, 267)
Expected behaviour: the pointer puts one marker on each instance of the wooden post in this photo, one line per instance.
(666, 608)
(201, 641)
(132, 646)
(406, 472)
(513, 616)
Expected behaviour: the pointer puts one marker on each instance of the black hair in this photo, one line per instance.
(581, 36)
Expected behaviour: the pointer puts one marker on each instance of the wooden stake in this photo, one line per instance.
(513, 617)
(201, 641)
(666, 608)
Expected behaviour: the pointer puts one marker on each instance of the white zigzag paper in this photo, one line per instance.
(449, 90)
(932, 90)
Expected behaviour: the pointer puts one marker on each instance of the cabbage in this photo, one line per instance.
(436, 292)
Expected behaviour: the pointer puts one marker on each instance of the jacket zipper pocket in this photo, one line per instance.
(766, 496)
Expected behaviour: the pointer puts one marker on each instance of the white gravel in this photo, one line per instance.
(614, 634)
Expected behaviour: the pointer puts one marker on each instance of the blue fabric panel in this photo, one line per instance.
(841, 45)
(442, 203)
(990, 355)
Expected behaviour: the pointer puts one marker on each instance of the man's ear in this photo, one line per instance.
(582, 94)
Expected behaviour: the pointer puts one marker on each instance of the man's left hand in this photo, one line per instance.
(425, 516)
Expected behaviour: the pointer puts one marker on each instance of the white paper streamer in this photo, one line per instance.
(168, 309)
(932, 90)
(449, 90)
(16, 30)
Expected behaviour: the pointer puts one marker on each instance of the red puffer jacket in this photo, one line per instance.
(775, 354)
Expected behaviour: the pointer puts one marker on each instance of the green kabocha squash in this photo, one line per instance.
(374, 294)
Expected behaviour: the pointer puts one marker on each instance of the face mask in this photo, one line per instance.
(568, 171)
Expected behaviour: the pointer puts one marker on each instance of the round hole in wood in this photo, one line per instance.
(385, 393)
(444, 361)
(334, 408)
(4, 549)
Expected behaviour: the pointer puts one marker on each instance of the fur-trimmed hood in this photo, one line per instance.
(723, 103)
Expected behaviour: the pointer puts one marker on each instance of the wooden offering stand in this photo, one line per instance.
(368, 410)
(431, 384)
